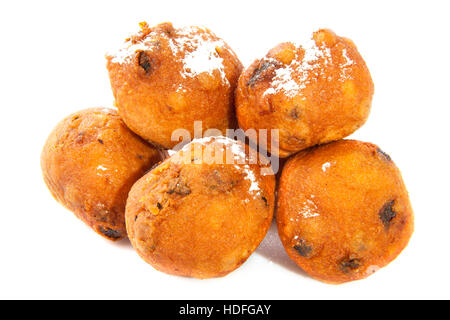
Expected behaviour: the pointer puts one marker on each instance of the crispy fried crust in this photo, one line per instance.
(343, 210)
(313, 94)
(166, 78)
(89, 163)
(191, 218)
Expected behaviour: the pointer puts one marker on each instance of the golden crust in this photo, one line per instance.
(90, 161)
(191, 218)
(313, 94)
(166, 78)
(343, 210)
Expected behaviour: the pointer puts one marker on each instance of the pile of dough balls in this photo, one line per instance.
(343, 210)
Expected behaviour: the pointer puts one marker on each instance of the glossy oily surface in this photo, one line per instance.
(89, 163)
(165, 78)
(343, 210)
(315, 92)
(193, 216)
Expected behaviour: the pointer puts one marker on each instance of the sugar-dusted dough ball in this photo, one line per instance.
(193, 216)
(165, 78)
(89, 163)
(343, 210)
(314, 93)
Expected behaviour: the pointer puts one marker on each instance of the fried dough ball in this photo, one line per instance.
(343, 210)
(192, 216)
(89, 163)
(164, 79)
(313, 94)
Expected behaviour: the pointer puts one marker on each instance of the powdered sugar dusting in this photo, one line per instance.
(192, 45)
(200, 53)
(283, 81)
(238, 151)
(309, 209)
(204, 59)
(104, 171)
(345, 67)
(305, 67)
(349, 61)
(250, 175)
(124, 54)
(325, 166)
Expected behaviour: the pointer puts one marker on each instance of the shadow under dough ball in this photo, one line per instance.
(343, 210)
(165, 78)
(314, 93)
(89, 163)
(193, 216)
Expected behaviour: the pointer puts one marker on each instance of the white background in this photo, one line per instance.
(52, 64)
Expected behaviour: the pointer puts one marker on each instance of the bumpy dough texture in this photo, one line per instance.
(90, 161)
(166, 78)
(343, 210)
(191, 218)
(315, 93)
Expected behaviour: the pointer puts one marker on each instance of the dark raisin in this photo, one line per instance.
(218, 182)
(100, 140)
(350, 264)
(179, 188)
(159, 205)
(384, 154)
(265, 201)
(144, 61)
(294, 114)
(140, 157)
(386, 213)
(110, 233)
(260, 72)
(102, 215)
(80, 138)
(303, 248)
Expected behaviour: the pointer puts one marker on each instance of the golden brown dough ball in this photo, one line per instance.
(164, 79)
(89, 163)
(315, 93)
(192, 216)
(343, 210)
